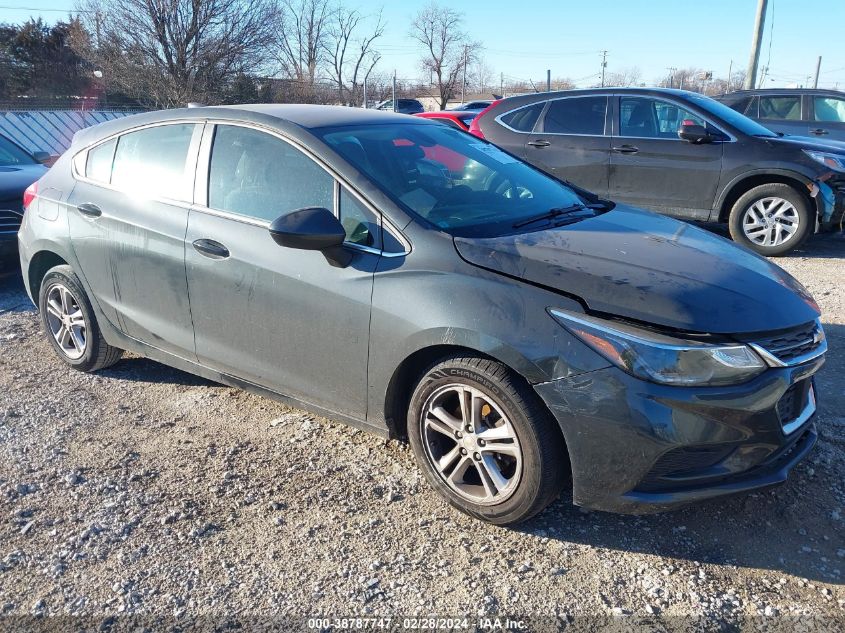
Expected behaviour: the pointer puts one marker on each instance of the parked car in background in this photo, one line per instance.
(403, 106)
(18, 170)
(420, 283)
(678, 153)
(799, 112)
(459, 119)
(474, 105)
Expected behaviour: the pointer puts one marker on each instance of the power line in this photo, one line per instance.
(39, 10)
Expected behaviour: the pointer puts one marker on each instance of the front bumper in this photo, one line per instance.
(637, 447)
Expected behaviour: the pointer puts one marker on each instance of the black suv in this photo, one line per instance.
(678, 153)
(798, 111)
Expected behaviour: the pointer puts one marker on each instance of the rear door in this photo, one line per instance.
(783, 113)
(571, 141)
(127, 228)
(651, 167)
(827, 117)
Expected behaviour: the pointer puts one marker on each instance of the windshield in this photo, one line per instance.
(11, 154)
(463, 185)
(730, 116)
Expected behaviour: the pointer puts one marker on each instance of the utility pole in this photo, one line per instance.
(672, 72)
(394, 90)
(603, 66)
(818, 69)
(730, 72)
(757, 40)
(365, 93)
(502, 84)
(464, 85)
(549, 80)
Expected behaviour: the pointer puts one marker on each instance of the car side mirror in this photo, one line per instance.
(694, 133)
(41, 157)
(312, 229)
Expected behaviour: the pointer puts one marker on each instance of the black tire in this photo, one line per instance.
(97, 353)
(806, 217)
(544, 460)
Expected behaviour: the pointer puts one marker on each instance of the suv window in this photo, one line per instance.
(260, 176)
(99, 162)
(360, 224)
(576, 115)
(642, 117)
(782, 108)
(154, 160)
(829, 109)
(523, 119)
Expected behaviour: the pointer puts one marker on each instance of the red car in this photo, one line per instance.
(456, 118)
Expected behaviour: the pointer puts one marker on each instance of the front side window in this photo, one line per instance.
(153, 162)
(458, 183)
(523, 119)
(11, 154)
(829, 109)
(577, 115)
(360, 224)
(780, 108)
(641, 117)
(258, 175)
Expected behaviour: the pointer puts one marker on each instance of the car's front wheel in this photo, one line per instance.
(69, 322)
(485, 441)
(771, 219)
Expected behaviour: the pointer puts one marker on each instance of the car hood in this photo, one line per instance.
(14, 179)
(808, 142)
(646, 267)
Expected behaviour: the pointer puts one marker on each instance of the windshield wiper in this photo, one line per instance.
(552, 213)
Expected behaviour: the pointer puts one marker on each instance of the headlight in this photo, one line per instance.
(660, 358)
(834, 161)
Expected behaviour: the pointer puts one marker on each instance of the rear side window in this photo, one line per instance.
(524, 119)
(153, 161)
(99, 162)
(578, 115)
(780, 108)
(260, 176)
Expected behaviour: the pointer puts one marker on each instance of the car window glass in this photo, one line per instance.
(642, 117)
(449, 122)
(753, 108)
(524, 119)
(782, 108)
(260, 176)
(829, 109)
(153, 161)
(582, 115)
(11, 154)
(99, 163)
(360, 224)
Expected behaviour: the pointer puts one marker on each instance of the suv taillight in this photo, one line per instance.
(474, 129)
(29, 194)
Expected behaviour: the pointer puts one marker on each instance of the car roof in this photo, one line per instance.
(797, 91)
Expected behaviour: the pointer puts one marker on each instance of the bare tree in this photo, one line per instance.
(303, 30)
(351, 56)
(626, 77)
(448, 49)
(169, 52)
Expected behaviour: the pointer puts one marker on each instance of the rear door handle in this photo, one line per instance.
(539, 143)
(626, 149)
(819, 131)
(90, 209)
(211, 249)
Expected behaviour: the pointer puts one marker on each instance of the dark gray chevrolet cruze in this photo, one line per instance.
(418, 282)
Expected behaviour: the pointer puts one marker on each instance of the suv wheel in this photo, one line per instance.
(69, 322)
(771, 219)
(485, 442)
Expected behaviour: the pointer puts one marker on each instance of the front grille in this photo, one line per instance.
(788, 345)
(10, 221)
(792, 402)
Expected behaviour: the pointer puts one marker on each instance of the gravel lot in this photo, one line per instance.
(148, 491)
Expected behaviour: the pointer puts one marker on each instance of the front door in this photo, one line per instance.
(783, 113)
(827, 116)
(570, 142)
(651, 167)
(127, 222)
(280, 318)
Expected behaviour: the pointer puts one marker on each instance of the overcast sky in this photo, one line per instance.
(522, 38)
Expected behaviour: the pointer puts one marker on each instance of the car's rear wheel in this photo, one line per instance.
(69, 322)
(771, 219)
(485, 441)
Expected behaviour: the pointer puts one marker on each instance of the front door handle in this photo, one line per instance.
(211, 249)
(626, 149)
(539, 143)
(90, 209)
(819, 131)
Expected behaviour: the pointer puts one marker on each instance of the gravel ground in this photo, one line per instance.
(144, 490)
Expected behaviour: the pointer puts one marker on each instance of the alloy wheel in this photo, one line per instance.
(770, 221)
(471, 444)
(66, 321)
